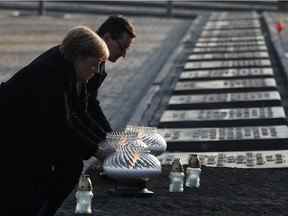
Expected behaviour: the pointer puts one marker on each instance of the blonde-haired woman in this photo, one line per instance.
(48, 130)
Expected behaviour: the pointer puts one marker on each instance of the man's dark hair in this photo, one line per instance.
(116, 26)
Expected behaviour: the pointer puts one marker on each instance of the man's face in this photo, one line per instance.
(118, 47)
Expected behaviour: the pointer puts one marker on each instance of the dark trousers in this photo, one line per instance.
(39, 193)
(64, 179)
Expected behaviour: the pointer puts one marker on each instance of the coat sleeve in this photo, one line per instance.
(94, 109)
(82, 134)
(96, 112)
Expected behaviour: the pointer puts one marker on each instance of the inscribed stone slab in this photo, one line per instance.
(220, 117)
(230, 49)
(225, 97)
(227, 64)
(223, 73)
(236, 43)
(231, 39)
(224, 56)
(225, 84)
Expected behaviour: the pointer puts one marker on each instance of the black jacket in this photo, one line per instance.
(94, 108)
(43, 117)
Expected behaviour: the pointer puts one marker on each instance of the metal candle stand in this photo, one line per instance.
(130, 161)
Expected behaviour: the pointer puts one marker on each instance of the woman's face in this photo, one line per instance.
(86, 68)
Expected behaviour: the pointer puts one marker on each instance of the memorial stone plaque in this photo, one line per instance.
(233, 16)
(250, 159)
(236, 43)
(230, 49)
(226, 73)
(226, 138)
(223, 117)
(230, 39)
(227, 64)
(230, 133)
(232, 24)
(242, 55)
(214, 85)
(229, 33)
(264, 98)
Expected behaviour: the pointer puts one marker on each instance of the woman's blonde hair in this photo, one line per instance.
(83, 42)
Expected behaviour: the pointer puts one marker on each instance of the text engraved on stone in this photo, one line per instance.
(224, 97)
(237, 43)
(232, 72)
(231, 133)
(223, 114)
(227, 63)
(231, 39)
(230, 49)
(218, 84)
(229, 55)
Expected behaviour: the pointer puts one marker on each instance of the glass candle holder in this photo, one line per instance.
(84, 195)
(192, 177)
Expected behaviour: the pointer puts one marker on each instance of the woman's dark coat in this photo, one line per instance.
(46, 130)
(41, 112)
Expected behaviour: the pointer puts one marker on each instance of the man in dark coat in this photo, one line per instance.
(45, 126)
(118, 33)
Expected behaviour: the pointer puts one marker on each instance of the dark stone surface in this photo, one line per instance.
(222, 191)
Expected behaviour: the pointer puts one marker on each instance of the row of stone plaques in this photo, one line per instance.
(226, 73)
(225, 100)
(230, 49)
(231, 39)
(225, 56)
(227, 64)
(259, 124)
(250, 159)
(223, 117)
(226, 138)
